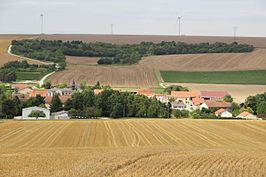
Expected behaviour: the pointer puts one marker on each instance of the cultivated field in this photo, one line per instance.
(5, 41)
(133, 148)
(256, 77)
(133, 39)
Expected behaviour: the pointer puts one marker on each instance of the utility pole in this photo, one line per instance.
(42, 23)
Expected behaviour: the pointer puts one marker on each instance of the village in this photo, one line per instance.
(188, 101)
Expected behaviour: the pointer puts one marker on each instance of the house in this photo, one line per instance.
(213, 95)
(212, 104)
(27, 111)
(223, 113)
(41, 92)
(162, 98)
(60, 92)
(248, 116)
(97, 91)
(186, 97)
(147, 93)
(61, 115)
(178, 105)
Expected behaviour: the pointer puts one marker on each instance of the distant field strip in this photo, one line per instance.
(133, 148)
(257, 77)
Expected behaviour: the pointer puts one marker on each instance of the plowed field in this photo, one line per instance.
(133, 148)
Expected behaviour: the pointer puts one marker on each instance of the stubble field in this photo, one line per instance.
(133, 148)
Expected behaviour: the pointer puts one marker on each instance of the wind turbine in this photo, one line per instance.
(235, 31)
(41, 23)
(112, 29)
(178, 21)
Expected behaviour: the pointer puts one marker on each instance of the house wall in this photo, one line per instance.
(203, 105)
(226, 114)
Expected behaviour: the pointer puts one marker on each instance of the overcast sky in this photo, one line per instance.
(199, 17)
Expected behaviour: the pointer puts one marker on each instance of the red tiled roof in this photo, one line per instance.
(197, 101)
(64, 98)
(43, 93)
(214, 94)
(244, 114)
(184, 94)
(217, 104)
(220, 111)
(142, 91)
(21, 86)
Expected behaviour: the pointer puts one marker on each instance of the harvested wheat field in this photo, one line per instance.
(115, 76)
(133, 148)
(5, 41)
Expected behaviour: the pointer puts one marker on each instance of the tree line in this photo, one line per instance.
(115, 104)
(56, 51)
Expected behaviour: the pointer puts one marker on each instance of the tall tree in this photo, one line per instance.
(56, 104)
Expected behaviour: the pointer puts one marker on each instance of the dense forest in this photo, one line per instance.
(55, 51)
(8, 71)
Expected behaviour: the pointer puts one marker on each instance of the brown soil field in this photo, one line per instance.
(81, 60)
(133, 148)
(115, 76)
(209, 62)
(133, 39)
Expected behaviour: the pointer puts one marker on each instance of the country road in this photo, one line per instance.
(26, 58)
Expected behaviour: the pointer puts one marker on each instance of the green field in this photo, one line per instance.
(257, 77)
(30, 75)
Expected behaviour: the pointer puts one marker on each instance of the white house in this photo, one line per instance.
(248, 116)
(27, 111)
(178, 105)
(60, 92)
(223, 113)
(60, 115)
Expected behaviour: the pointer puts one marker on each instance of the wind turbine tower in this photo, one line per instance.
(112, 29)
(235, 31)
(42, 23)
(179, 25)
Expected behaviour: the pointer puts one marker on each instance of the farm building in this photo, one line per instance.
(27, 111)
(209, 104)
(186, 98)
(247, 115)
(223, 113)
(213, 95)
(62, 115)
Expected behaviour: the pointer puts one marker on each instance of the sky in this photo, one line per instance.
(159, 17)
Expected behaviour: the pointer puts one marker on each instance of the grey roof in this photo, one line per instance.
(178, 104)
